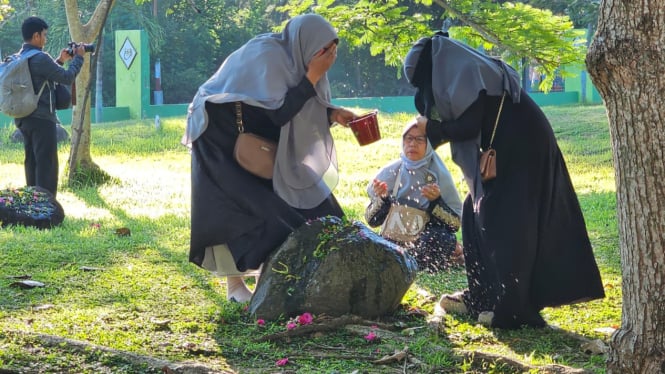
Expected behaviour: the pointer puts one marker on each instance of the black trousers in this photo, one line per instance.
(40, 142)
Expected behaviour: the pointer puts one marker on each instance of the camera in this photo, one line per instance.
(90, 48)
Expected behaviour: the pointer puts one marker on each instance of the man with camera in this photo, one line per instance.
(39, 128)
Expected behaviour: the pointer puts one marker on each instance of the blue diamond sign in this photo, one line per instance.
(127, 53)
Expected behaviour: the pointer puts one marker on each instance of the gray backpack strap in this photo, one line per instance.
(28, 54)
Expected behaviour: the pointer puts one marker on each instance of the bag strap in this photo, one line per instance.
(496, 123)
(397, 180)
(241, 128)
(27, 55)
(42, 89)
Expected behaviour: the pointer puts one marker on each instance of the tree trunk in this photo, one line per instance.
(625, 61)
(80, 160)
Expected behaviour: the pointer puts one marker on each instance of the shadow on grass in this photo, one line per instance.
(60, 256)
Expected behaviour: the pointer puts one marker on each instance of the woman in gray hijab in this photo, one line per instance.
(525, 241)
(280, 80)
(419, 179)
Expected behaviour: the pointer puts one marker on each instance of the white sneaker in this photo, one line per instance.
(453, 303)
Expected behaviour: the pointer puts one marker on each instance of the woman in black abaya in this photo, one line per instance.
(525, 241)
(280, 80)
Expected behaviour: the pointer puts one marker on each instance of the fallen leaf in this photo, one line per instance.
(411, 330)
(24, 276)
(396, 357)
(88, 268)
(27, 284)
(189, 345)
(123, 231)
(160, 322)
(595, 347)
(417, 312)
(605, 330)
(43, 307)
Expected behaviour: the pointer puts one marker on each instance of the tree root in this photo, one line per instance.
(354, 324)
(518, 366)
(324, 324)
(362, 327)
(164, 366)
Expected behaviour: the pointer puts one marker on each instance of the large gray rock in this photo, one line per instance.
(333, 267)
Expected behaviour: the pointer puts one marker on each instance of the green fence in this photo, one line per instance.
(386, 104)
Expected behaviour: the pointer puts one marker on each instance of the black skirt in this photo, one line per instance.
(231, 206)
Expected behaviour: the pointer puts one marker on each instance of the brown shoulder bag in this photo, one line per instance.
(252, 152)
(488, 157)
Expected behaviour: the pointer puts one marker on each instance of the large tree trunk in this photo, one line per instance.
(625, 61)
(80, 161)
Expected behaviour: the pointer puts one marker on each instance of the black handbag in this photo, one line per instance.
(63, 97)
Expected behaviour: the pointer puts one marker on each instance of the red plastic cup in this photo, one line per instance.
(366, 128)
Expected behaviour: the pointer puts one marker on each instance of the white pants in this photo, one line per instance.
(218, 259)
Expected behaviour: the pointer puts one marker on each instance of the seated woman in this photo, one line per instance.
(420, 180)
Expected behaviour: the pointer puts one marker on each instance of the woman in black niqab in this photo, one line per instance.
(525, 241)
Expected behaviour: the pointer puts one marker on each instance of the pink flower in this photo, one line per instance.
(305, 319)
(260, 322)
(371, 336)
(282, 362)
(290, 326)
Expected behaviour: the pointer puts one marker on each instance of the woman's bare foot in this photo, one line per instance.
(237, 290)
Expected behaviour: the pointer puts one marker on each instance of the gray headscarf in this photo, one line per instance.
(260, 73)
(458, 74)
(415, 174)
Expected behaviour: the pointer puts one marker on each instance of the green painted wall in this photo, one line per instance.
(166, 110)
(132, 66)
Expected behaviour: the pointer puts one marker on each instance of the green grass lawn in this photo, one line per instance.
(140, 294)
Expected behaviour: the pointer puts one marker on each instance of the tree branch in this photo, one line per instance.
(480, 29)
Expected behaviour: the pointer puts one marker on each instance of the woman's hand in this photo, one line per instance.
(342, 116)
(431, 191)
(380, 188)
(320, 63)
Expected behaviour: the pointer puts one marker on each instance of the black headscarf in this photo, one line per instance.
(449, 76)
